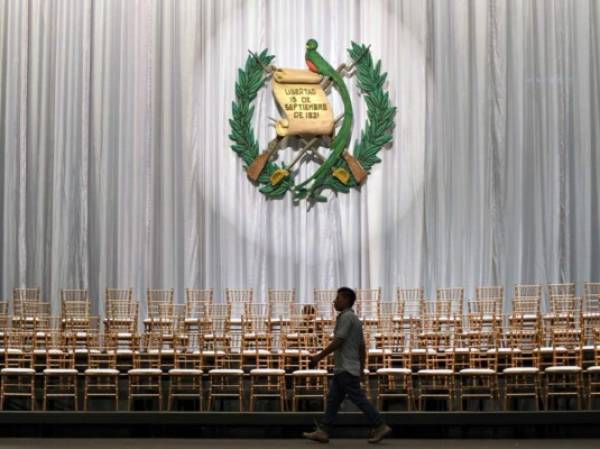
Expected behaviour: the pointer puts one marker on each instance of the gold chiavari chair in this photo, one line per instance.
(26, 307)
(449, 307)
(480, 380)
(4, 323)
(237, 300)
(226, 380)
(196, 303)
(367, 306)
(185, 379)
(256, 338)
(280, 312)
(410, 303)
(323, 304)
(387, 327)
(564, 377)
(394, 378)
(593, 372)
(121, 311)
(101, 377)
(160, 311)
(302, 323)
(590, 318)
(216, 336)
(60, 374)
(436, 380)
(522, 378)
(526, 306)
(309, 382)
(17, 376)
(145, 378)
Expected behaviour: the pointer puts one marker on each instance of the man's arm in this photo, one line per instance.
(362, 356)
(335, 344)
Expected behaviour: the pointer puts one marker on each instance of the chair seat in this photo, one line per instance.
(593, 369)
(563, 369)
(478, 371)
(212, 353)
(521, 370)
(310, 372)
(59, 371)
(436, 372)
(124, 334)
(267, 371)
(17, 371)
(379, 351)
(226, 371)
(394, 371)
(185, 372)
(550, 349)
(501, 350)
(101, 371)
(256, 351)
(295, 352)
(145, 371)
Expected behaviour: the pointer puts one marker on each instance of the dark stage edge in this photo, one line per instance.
(565, 424)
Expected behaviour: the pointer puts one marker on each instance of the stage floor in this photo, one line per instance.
(288, 444)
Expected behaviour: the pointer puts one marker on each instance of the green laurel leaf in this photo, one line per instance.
(250, 80)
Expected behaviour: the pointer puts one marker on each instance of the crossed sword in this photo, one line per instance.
(257, 166)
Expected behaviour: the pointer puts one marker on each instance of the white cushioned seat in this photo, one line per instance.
(393, 371)
(226, 371)
(593, 369)
(436, 372)
(267, 371)
(477, 371)
(310, 372)
(212, 353)
(563, 369)
(101, 371)
(256, 351)
(60, 371)
(377, 351)
(10, 371)
(145, 371)
(521, 370)
(185, 372)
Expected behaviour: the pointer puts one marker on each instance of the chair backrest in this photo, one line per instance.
(218, 315)
(411, 300)
(196, 301)
(160, 303)
(367, 303)
(237, 299)
(591, 297)
(451, 300)
(256, 318)
(323, 303)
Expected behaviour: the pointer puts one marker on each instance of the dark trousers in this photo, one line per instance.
(342, 385)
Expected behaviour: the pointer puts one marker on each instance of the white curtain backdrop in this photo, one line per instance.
(116, 171)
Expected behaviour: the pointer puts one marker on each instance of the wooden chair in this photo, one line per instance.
(185, 379)
(590, 314)
(60, 375)
(237, 300)
(522, 378)
(121, 311)
(29, 311)
(17, 376)
(303, 323)
(436, 380)
(226, 381)
(394, 378)
(480, 380)
(410, 304)
(323, 305)
(564, 377)
(309, 382)
(101, 377)
(160, 310)
(280, 312)
(256, 338)
(197, 301)
(592, 373)
(145, 378)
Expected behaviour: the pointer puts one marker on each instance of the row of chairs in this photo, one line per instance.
(415, 375)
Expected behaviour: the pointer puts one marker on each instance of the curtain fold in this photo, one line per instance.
(116, 168)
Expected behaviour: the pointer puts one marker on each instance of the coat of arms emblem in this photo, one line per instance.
(307, 115)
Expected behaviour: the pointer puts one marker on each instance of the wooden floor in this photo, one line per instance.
(288, 444)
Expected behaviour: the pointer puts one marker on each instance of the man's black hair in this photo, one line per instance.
(347, 292)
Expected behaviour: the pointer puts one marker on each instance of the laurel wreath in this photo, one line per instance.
(376, 132)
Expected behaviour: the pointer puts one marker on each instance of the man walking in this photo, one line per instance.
(348, 346)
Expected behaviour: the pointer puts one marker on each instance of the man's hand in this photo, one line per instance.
(314, 360)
